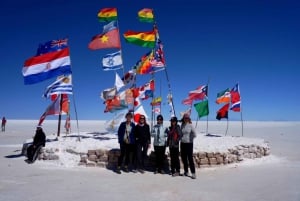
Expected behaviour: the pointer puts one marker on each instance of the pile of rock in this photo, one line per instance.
(109, 158)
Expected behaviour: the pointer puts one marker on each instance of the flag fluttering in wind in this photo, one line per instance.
(118, 82)
(202, 108)
(108, 39)
(235, 99)
(128, 77)
(143, 66)
(199, 94)
(112, 61)
(156, 101)
(115, 104)
(138, 112)
(144, 39)
(158, 59)
(52, 46)
(146, 91)
(50, 62)
(55, 108)
(107, 14)
(63, 85)
(109, 93)
(223, 112)
(146, 15)
(223, 96)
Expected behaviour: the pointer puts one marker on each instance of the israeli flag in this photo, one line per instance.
(112, 61)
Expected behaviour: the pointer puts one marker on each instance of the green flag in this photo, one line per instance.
(202, 108)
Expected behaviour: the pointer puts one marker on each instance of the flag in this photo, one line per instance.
(146, 15)
(156, 110)
(202, 108)
(52, 46)
(146, 91)
(199, 94)
(156, 101)
(170, 103)
(112, 61)
(115, 104)
(158, 59)
(109, 93)
(63, 85)
(223, 112)
(143, 66)
(108, 39)
(235, 99)
(223, 96)
(107, 14)
(138, 112)
(144, 39)
(118, 82)
(187, 101)
(39, 68)
(55, 109)
(128, 77)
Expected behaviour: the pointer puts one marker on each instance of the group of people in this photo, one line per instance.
(135, 139)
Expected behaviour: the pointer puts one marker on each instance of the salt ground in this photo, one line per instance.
(275, 177)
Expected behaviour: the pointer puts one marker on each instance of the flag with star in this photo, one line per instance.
(109, 38)
(112, 61)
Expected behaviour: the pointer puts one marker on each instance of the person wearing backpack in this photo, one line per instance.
(174, 133)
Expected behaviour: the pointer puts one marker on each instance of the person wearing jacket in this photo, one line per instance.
(159, 134)
(174, 133)
(186, 145)
(143, 141)
(126, 140)
(39, 139)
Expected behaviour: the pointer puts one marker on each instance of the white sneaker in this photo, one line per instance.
(193, 176)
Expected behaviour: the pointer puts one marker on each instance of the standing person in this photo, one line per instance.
(127, 143)
(174, 133)
(143, 141)
(159, 134)
(186, 145)
(3, 124)
(39, 140)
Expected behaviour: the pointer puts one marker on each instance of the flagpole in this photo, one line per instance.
(59, 116)
(241, 111)
(226, 127)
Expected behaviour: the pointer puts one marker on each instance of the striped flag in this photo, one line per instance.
(63, 85)
(112, 61)
(39, 68)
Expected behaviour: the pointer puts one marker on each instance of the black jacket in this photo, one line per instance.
(142, 134)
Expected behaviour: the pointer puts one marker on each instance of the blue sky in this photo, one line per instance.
(254, 43)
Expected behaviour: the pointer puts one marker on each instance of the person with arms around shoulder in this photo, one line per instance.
(126, 140)
(143, 141)
(39, 140)
(186, 145)
(174, 133)
(3, 123)
(159, 132)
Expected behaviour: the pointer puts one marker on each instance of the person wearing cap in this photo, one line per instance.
(159, 132)
(174, 134)
(186, 145)
(127, 143)
(39, 139)
(143, 141)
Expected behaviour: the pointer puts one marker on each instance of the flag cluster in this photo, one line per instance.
(228, 96)
(51, 60)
